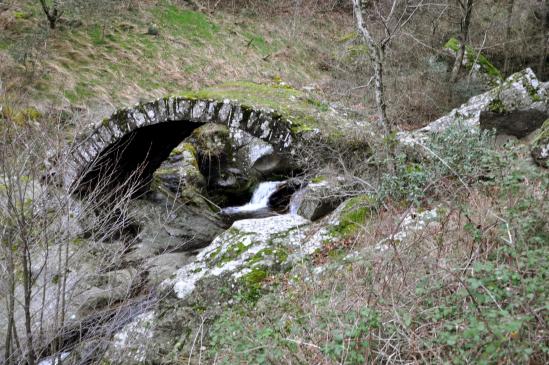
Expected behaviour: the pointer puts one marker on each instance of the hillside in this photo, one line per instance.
(111, 60)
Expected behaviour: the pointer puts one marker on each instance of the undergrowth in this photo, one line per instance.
(469, 287)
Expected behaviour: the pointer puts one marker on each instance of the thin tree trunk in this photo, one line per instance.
(465, 23)
(27, 283)
(508, 28)
(544, 31)
(457, 63)
(10, 303)
(377, 55)
(380, 92)
(52, 14)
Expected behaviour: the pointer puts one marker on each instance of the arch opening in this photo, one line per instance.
(129, 163)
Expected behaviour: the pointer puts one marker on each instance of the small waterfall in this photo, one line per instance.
(296, 200)
(259, 201)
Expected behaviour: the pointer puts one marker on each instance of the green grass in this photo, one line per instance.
(97, 35)
(116, 59)
(186, 23)
(80, 92)
(259, 43)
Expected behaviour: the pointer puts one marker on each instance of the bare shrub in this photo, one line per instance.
(45, 247)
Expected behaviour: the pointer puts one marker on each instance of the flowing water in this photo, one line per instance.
(259, 202)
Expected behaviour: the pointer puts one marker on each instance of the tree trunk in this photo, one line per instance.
(467, 8)
(508, 28)
(52, 14)
(27, 284)
(457, 63)
(543, 48)
(10, 303)
(377, 55)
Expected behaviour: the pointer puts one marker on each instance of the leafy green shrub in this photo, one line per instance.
(457, 153)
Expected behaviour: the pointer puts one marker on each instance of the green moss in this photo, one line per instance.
(354, 215)
(290, 104)
(21, 15)
(474, 57)
(184, 147)
(452, 44)
(298, 128)
(532, 91)
(255, 277)
(214, 254)
(318, 179)
(496, 106)
(487, 66)
(323, 107)
(279, 254)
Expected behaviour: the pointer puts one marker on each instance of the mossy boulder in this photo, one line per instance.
(235, 264)
(180, 170)
(317, 199)
(516, 107)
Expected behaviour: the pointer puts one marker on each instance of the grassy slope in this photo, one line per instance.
(113, 62)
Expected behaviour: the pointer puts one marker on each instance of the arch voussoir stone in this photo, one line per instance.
(176, 117)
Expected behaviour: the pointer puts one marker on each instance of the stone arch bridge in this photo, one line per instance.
(134, 141)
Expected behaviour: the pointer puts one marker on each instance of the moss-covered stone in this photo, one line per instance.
(255, 276)
(232, 252)
(353, 216)
(496, 106)
(303, 112)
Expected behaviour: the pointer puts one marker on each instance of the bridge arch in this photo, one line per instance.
(134, 141)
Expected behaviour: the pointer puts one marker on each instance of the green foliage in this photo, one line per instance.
(350, 341)
(270, 328)
(505, 292)
(456, 153)
(474, 57)
(496, 106)
(486, 311)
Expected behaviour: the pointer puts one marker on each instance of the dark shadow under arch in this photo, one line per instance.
(131, 161)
